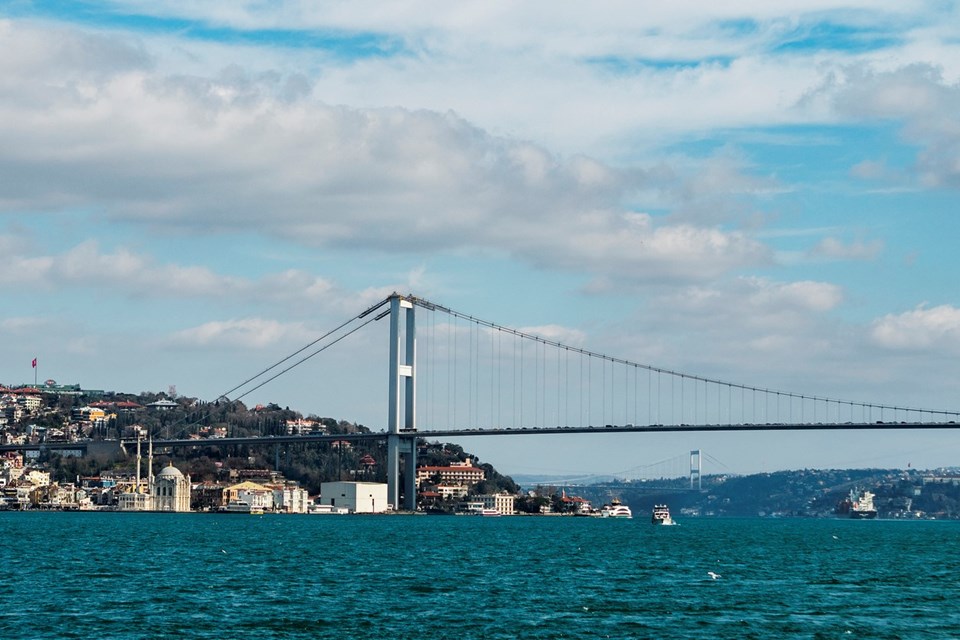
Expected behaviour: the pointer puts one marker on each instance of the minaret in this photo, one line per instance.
(149, 500)
(137, 489)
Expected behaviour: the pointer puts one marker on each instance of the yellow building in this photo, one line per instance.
(254, 495)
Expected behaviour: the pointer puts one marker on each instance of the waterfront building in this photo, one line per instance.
(429, 497)
(502, 503)
(59, 497)
(133, 501)
(251, 493)
(207, 496)
(290, 498)
(574, 504)
(462, 473)
(446, 491)
(358, 497)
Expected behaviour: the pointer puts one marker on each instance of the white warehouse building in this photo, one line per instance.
(358, 497)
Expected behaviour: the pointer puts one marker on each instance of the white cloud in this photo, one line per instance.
(757, 302)
(228, 152)
(804, 295)
(557, 333)
(756, 325)
(23, 324)
(918, 96)
(935, 329)
(832, 248)
(131, 274)
(246, 333)
(621, 27)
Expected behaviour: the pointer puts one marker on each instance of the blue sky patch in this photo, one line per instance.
(344, 45)
(839, 37)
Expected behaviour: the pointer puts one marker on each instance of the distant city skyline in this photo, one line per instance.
(760, 194)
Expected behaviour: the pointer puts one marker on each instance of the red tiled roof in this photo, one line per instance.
(123, 404)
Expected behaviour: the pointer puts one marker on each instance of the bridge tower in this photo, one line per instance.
(401, 404)
(695, 466)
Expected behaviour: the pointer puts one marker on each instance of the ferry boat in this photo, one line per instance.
(326, 509)
(861, 505)
(477, 509)
(615, 510)
(661, 515)
(241, 506)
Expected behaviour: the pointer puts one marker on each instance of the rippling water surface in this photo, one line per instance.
(113, 575)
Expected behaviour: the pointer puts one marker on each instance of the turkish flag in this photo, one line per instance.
(34, 363)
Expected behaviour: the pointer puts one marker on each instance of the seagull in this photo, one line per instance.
(835, 538)
(713, 575)
(223, 550)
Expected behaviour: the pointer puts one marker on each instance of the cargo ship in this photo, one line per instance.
(861, 505)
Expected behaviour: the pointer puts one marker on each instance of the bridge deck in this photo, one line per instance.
(455, 433)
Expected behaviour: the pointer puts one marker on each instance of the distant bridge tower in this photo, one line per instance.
(695, 466)
(401, 400)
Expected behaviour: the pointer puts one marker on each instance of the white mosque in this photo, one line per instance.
(169, 490)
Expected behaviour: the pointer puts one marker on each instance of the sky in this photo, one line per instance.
(765, 193)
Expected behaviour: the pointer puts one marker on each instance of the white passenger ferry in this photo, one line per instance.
(661, 515)
(615, 510)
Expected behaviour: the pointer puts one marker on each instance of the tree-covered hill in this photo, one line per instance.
(309, 463)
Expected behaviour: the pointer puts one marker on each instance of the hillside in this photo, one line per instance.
(69, 417)
(802, 493)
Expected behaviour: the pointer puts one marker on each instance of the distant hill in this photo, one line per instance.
(800, 493)
(530, 481)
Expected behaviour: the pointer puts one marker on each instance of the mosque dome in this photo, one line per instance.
(170, 472)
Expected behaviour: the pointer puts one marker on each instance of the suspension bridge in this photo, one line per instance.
(453, 375)
(474, 377)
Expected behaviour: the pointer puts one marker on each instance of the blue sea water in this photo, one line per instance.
(114, 575)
